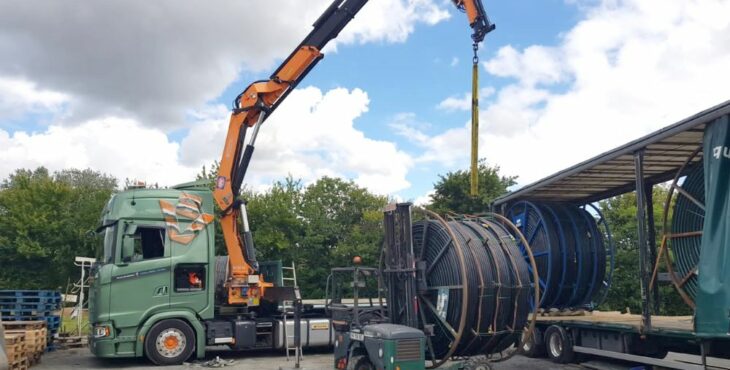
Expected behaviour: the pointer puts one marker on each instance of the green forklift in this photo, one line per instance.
(378, 317)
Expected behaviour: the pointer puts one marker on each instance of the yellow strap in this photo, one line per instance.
(475, 130)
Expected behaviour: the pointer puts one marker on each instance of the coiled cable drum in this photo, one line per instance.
(477, 287)
(574, 254)
(684, 236)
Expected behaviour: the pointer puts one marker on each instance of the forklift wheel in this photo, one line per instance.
(169, 342)
(360, 363)
(559, 345)
(477, 363)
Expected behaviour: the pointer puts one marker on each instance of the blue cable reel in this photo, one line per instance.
(544, 240)
(604, 262)
(573, 250)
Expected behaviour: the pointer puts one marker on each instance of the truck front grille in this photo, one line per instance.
(408, 350)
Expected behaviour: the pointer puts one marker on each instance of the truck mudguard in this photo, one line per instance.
(713, 298)
(184, 315)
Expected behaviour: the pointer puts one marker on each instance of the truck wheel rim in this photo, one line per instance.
(556, 346)
(170, 343)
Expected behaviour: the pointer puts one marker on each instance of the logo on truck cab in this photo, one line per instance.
(188, 209)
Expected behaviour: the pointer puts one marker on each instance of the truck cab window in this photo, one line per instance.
(149, 243)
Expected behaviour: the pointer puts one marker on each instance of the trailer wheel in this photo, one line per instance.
(169, 342)
(360, 362)
(559, 345)
(535, 347)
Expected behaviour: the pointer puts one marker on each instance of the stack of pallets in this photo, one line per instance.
(20, 306)
(15, 349)
(34, 338)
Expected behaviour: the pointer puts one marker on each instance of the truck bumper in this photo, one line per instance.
(111, 348)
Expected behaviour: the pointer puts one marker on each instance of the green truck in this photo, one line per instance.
(151, 295)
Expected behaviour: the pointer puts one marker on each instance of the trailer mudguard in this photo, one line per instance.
(713, 297)
(183, 315)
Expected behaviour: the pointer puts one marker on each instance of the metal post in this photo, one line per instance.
(643, 245)
(651, 236)
(297, 329)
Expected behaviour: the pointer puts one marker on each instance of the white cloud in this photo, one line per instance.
(157, 61)
(463, 103)
(628, 68)
(454, 61)
(310, 136)
(120, 147)
(425, 199)
(18, 96)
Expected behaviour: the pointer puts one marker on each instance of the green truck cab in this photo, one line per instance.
(146, 284)
(158, 289)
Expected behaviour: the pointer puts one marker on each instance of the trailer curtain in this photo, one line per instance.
(713, 298)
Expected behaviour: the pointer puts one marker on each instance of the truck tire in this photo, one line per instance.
(535, 347)
(559, 345)
(169, 342)
(360, 362)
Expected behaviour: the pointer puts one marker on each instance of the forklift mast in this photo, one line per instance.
(399, 265)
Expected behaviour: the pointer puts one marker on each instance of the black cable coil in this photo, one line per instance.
(478, 286)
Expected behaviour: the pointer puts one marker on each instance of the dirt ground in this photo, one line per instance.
(81, 359)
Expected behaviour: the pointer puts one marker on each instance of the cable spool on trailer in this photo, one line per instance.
(542, 236)
(604, 262)
(684, 236)
(574, 253)
(476, 286)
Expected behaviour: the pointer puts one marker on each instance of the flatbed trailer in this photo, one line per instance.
(647, 336)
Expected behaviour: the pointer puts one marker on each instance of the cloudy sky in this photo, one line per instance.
(142, 89)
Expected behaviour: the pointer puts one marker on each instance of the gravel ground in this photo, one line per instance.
(81, 359)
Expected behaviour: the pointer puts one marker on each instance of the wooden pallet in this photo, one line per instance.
(15, 347)
(36, 340)
(71, 342)
(20, 364)
(24, 325)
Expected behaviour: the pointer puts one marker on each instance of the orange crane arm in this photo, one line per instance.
(252, 107)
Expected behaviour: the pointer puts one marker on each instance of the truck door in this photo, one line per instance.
(190, 264)
(141, 277)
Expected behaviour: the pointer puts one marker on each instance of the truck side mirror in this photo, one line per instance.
(127, 248)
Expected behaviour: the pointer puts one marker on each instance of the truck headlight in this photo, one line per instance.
(102, 331)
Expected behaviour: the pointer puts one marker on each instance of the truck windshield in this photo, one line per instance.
(105, 244)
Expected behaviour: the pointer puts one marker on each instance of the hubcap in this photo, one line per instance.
(170, 343)
(556, 345)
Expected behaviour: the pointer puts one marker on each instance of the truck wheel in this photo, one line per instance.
(559, 346)
(535, 347)
(169, 342)
(360, 363)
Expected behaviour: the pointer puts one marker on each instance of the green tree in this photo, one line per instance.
(341, 220)
(625, 291)
(452, 191)
(44, 220)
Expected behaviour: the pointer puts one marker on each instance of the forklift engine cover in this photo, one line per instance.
(391, 346)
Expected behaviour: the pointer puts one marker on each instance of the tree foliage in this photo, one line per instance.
(625, 292)
(44, 220)
(452, 191)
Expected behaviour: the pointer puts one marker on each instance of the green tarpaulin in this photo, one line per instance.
(713, 299)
